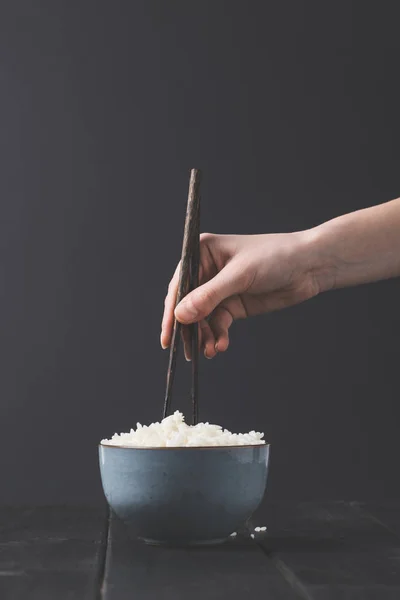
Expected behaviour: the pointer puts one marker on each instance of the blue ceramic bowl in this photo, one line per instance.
(184, 496)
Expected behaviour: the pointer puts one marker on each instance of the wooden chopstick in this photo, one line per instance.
(188, 279)
(194, 329)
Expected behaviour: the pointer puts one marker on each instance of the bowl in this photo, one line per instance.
(184, 496)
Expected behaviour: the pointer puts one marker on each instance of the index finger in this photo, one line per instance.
(169, 307)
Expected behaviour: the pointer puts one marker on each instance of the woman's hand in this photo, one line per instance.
(246, 275)
(241, 276)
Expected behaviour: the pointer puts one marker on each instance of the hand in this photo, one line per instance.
(241, 276)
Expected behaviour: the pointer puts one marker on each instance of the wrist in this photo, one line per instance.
(317, 260)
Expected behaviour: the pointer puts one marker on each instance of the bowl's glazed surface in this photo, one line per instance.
(184, 496)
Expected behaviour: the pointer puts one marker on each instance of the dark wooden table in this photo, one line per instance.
(313, 551)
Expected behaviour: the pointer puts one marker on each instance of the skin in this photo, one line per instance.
(246, 275)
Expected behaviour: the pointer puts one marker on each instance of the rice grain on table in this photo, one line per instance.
(175, 433)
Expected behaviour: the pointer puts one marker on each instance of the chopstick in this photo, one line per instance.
(194, 329)
(188, 280)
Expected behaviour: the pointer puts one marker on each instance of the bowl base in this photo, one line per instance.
(189, 544)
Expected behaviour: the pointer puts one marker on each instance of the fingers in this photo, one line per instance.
(169, 306)
(207, 339)
(220, 322)
(203, 300)
(213, 336)
(187, 342)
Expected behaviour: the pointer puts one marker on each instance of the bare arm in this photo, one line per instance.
(359, 247)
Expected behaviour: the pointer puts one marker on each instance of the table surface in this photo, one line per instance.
(312, 551)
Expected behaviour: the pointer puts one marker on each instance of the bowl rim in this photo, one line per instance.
(236, 447)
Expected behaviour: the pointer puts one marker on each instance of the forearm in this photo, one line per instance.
(356, 248)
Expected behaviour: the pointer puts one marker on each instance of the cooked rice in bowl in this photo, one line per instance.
(173, 432)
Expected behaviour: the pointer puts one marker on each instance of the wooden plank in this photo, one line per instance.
(387, 513)
(332, 551)
(49, 553)
(315, 551)
(235, 570)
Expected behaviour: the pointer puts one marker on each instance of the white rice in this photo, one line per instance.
(173, 432)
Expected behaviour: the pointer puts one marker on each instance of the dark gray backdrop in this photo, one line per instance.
(292, 111)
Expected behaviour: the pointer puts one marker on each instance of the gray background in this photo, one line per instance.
(292, 111)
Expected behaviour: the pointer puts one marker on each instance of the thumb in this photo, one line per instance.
(203, 300)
